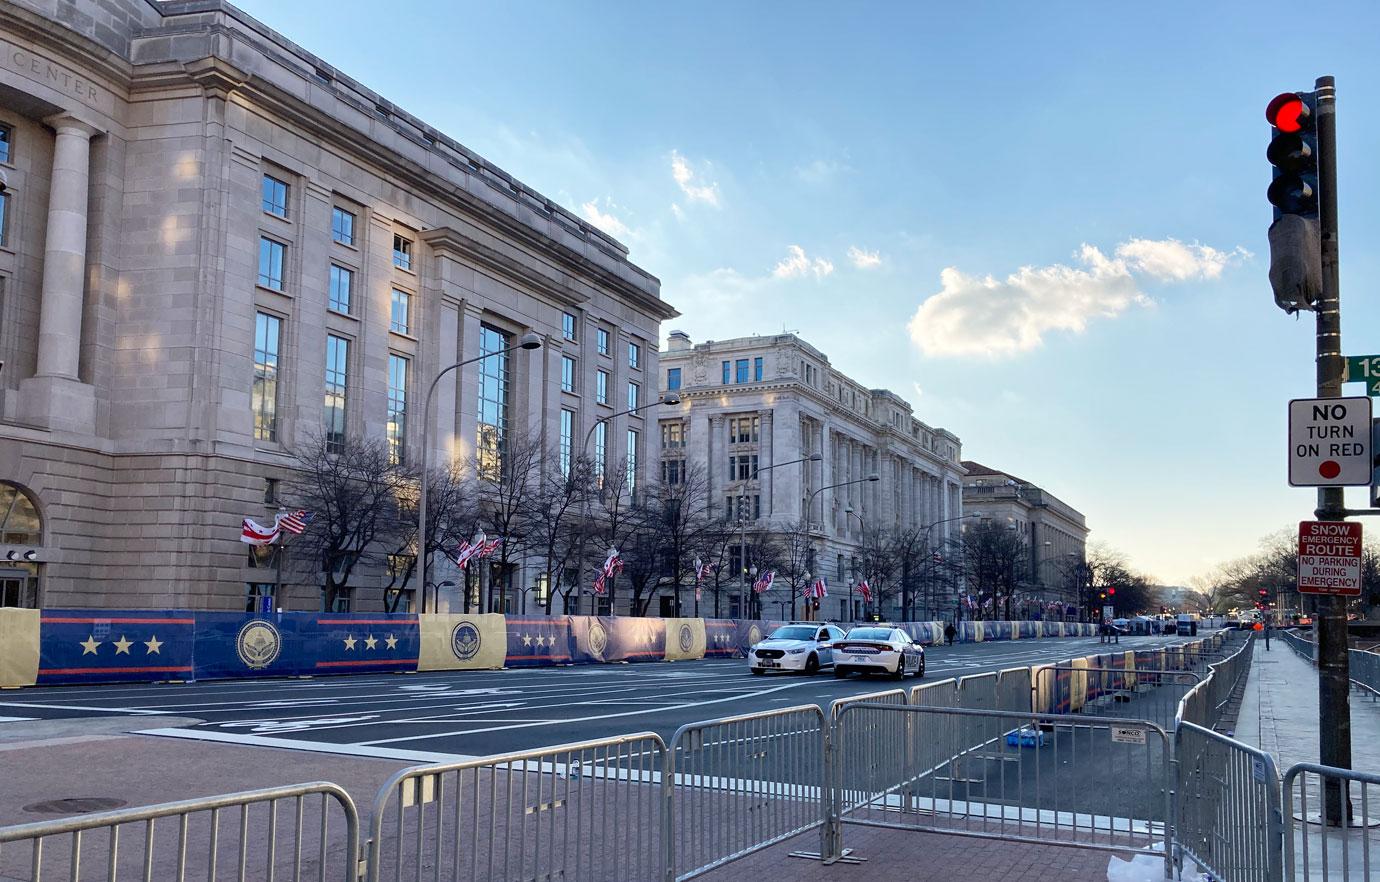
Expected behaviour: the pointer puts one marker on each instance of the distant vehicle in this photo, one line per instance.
(796, 646)
(1186, 623)
(1169, 624)
(878, 649)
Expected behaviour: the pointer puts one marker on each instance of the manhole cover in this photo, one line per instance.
(78, 805)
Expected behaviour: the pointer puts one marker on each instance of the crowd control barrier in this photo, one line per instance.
(1331, 824)
(303, 831)
(1227, 814)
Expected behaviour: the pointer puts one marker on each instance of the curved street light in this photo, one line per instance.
(670, 399)
(529, 341)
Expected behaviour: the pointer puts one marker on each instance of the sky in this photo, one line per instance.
(1044, 225)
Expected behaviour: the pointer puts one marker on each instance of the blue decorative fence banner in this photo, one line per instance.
(103, 646)
(536, 641)
(721, 639)
(299, 644)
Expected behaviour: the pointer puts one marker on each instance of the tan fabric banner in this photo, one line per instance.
(454, 642)
(18, 647)
(685, 639)
(1078, 685)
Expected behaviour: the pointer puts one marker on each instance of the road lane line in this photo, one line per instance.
(390, 753)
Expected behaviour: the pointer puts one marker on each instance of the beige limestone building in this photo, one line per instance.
(215, 246)
(754, 402)
(1054, 532)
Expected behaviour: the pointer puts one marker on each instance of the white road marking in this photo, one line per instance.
(391, 753)
(16, 719)
(83, 707)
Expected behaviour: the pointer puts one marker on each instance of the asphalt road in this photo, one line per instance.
(443, 716)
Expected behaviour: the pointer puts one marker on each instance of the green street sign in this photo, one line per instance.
(1364, 369)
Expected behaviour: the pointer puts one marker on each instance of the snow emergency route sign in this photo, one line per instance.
(1329, 442)
(1330, 558)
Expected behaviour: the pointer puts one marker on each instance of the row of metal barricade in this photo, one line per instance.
(976, 756)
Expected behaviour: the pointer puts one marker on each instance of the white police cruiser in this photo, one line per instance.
(795, 646)
(878, 649)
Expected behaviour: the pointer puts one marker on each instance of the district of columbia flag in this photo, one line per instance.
(252, 533)
(818, 589)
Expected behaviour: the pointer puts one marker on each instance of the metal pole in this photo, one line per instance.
(1334, 709)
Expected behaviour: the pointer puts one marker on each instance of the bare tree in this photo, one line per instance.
(789, 552)
(993, 554)
(681, 521)
(352, 489)
(616, 519)
(507, 489)
(451, 516)
(557, 527)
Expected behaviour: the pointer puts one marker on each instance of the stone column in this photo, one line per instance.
(55, 397)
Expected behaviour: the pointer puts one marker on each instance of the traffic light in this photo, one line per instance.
(1295, 237)
(1111, 592)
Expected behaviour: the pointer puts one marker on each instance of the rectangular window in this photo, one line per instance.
(742, 467)
(337, 388)
(841, 576)
(342, 280)
(275, 194)
(633, 389)
(567, 326)
(271, 259)
(744, 429)
(493, 401)
(4, 216)
(634, 355)
(672, 379)
(672, 436)
(602, 337)
(342, 226)
(567, 374)
(632, 461)
(671, 470)
(264, 397)
(397, 408)
(567, 440)
(398, 312)
(740, 370)
(402, 252)
(6, 139)
(757, 369)
(600, 453)
(601, 387)
(727, 374)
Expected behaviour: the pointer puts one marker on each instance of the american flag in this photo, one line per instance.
(865, 590)
(294, 521)
(613, 565)
(817, 589)
(488, 548)
(764, 582)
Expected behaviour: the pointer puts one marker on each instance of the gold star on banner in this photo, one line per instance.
(153, 644)
(88, 646)
(350, 642)
(527, 640)
(122, 645)
(392, 642)
(370, 642)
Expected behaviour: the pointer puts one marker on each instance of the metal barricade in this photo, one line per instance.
(1365, 670)
(1013, 689)
(1347, 846)
(1139, 694)
(737, 785)
(1205, 703)
(1045, 778)
(276, 832)
(591, 810)
(1226, 814)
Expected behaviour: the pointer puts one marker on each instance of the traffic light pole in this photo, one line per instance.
(1334, 709)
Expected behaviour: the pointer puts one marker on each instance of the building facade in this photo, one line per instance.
(1053, 533)
(215, 248)
(751, 404)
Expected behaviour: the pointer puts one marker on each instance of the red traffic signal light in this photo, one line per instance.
(1294, 154)
(1264, 592)
(1289, 112)
(1111, 592)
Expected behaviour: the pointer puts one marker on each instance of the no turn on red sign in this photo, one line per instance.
(1329, 442)
(1330, 558)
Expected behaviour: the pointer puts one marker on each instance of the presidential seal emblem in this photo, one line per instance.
(598, 639)
(465, 640)
(258, 644)
(754, 635)
(687, 638)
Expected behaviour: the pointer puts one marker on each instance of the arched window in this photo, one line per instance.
(19, 520)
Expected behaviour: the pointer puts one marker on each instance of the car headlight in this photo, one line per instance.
(796, 651)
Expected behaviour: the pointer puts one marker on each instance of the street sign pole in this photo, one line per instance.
(1334, 709)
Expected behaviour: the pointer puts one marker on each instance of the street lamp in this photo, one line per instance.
(862, 532)
(814, 457)
(670, 399)
(959, 607)
(810, 501)
(529, 341)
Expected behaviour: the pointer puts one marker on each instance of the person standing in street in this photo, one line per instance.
(949, 632)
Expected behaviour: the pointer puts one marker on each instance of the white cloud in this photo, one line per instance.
(1175, 261)
(689, 185)
(677, 211)
(605, 220)
(864, 259)
(820, 171)
(798, 264)
(990, 317)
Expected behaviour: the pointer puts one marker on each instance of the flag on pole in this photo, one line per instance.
(817, 589)
(463, 553)
(699, 576)
(865, 590)
(764, 581)
(252, 533)
(486, 549)
(293, 521)
(613, 565)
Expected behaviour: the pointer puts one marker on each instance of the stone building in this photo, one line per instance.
(754, 402)
(1054, 533)
(214, 247)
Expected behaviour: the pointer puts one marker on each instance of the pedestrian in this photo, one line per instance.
(949, 632)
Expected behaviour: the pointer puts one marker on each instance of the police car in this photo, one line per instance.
(878, 649)
(795, 646)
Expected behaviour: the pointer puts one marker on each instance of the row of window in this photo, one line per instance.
(741, 430)
(275, 202)
(568, 323)
(569, 373)
(737, 371)
(273, 254)
(600, 453)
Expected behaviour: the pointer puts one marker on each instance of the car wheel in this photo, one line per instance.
(757, 672)
(920, 669)
(811, 665)
(900, 671)
(840, 672)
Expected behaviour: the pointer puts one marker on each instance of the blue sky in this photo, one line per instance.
(1042, 224)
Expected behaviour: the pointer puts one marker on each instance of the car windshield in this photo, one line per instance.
(870, 634)
(793, 633)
